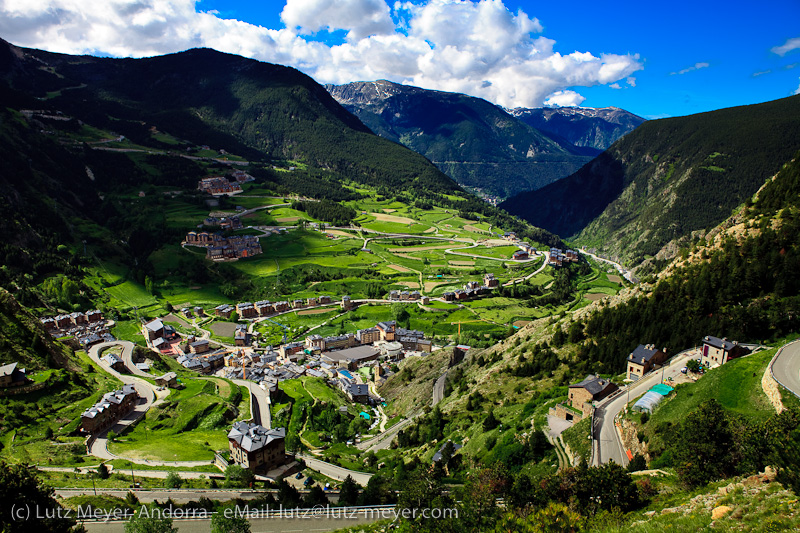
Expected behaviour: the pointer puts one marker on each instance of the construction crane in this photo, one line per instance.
(285, 328)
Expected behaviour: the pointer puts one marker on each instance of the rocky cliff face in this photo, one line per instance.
(582, 126)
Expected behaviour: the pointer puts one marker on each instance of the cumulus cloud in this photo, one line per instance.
(564, 99)
(797, 91)
(696, 66)
(361, 18)
(788, 46)
(477, 47)
(631, 81)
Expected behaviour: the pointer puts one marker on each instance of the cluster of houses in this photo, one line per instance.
(642, 360)
(218, 247)
(216, 185)
(334, 358)
(111, 408)
(525, 249)
(335, 348)
(472, 289)
(87, 328)
(249, 310)
(225, 223)
(159, 335)
(408, 296)
(559, 257)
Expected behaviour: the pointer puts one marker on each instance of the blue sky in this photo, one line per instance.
(664, 60)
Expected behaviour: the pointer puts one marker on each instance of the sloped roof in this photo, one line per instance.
(438, 455)
(593, 384)
(716, 342)
(253, 437)
(155, 325)
(642, 354)
(7, 370)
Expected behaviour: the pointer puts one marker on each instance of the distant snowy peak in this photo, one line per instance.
(366, 92)
(582, 126)
(614, 115)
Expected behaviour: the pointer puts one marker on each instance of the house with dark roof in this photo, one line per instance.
(357, 392)
(199, 346)
(591, 389)
(154, 329)
(11, 376)
(716, 351)
(241, 337)
(643, 359)
(114, 362)
(438, 455)
(170, 379)
(113, 406)
(387, 329)
(257, 448)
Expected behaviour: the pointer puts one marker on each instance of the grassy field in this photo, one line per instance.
(189, 426)
(57, 409)
(735, 385)
(500, 252)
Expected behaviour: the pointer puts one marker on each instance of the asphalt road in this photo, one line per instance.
(99, 446)
(334, 471)
(384, 440)
(259, 403)
(438, 389)
(177, 495)
(608, 446)
(259, 525)
(786, 367)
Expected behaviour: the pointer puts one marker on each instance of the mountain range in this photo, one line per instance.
(667, 180)
(582, 126)
(481, 145)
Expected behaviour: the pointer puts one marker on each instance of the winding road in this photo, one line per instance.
(785, 367)
(98, 446)
(606, 442)
(627, 274)
(333, 471)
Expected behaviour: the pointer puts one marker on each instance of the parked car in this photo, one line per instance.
(299, 475)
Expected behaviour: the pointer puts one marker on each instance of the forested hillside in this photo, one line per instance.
(667, 179)
(257, 110)
(741, 284)
(473, 141)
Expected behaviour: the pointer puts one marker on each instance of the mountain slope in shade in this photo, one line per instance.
(667, 179)
(581, 126)
(475, 142)
(254, 109)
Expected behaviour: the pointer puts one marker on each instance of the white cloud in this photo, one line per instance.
(361, 18)
(797, 91)
(477, 47)
(564, 99)
(631, 81)
(615, 86)
(696, 66)
(761, 73)
(788, 46)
